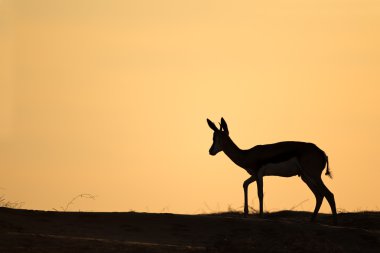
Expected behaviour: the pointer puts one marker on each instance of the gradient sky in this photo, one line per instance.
(111, 98)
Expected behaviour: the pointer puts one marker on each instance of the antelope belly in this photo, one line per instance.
(287, 168)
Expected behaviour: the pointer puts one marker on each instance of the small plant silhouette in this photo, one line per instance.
(10, 204)
(71, 202)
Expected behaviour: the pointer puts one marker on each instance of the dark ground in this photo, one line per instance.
(286, 231)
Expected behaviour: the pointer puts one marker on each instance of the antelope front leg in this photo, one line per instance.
(260, 193)
(245, 187)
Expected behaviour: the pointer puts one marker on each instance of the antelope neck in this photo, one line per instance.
(237, 155)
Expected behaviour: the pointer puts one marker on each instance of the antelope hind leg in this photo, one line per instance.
(318, 195)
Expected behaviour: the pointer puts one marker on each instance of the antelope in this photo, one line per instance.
(284, 159)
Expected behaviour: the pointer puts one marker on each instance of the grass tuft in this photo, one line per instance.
(10, 204)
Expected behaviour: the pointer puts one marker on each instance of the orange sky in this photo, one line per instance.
(111, 98)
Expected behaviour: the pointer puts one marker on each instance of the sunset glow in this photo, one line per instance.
(111, 98)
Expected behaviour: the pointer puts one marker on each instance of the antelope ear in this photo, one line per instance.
(224, 125)
(212, 125)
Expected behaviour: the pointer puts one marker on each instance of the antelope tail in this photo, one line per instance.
(328, 172)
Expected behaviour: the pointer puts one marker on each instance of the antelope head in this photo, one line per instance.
(219, 136)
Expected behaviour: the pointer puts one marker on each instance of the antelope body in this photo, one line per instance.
(283, 159)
